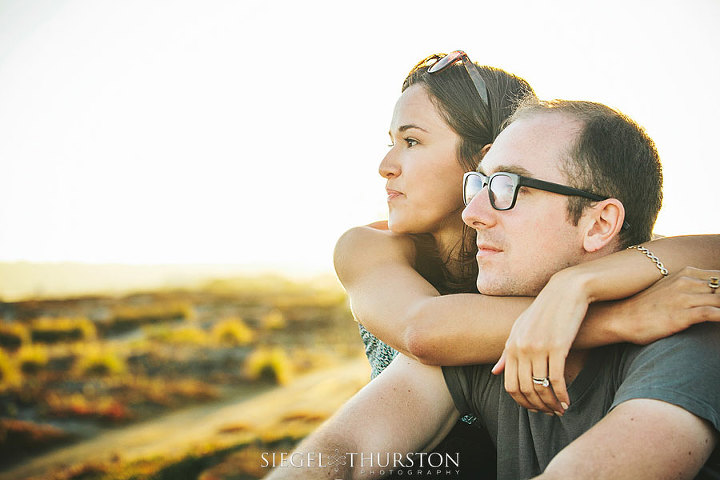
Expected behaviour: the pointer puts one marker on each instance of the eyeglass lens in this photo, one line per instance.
(502, 189)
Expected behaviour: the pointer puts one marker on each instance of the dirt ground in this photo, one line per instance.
(269, 413)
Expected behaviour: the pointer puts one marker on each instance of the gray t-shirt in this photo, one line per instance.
(683, 369)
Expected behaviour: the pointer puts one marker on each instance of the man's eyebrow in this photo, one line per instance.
(516, 169)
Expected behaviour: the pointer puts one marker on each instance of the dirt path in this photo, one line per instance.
(319, 393)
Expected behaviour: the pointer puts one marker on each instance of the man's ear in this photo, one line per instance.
(602, 223)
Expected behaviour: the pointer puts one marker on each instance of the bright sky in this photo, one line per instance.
(249, 132)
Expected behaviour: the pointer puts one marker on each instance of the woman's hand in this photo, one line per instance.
(542, 336)
(539, 342)
(670, 306)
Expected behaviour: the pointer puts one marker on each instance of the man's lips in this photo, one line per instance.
(485, 250)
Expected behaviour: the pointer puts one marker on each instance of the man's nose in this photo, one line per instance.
(389, 167)
(479, 213)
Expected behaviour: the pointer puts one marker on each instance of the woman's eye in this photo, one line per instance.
(411, 142)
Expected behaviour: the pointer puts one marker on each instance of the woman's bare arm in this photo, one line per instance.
(400, 307)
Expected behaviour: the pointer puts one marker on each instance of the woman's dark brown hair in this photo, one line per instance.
(477, 124)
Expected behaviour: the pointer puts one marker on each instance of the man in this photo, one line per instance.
(637, 412)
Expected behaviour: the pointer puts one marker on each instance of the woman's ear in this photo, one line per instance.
(602, 224)
(484, 150)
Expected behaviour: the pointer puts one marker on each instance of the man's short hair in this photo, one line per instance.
(612, 156)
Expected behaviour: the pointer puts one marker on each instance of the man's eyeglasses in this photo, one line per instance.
(470, 67)
(503, 189)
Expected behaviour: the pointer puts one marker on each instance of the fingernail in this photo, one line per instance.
(548, 414)
(559, 414)
(564, 405)
(534, 411)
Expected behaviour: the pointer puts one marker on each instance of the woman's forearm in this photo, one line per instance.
(462, 329)
(628, 272)
(402, 309)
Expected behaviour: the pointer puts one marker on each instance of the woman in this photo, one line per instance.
(443, 123)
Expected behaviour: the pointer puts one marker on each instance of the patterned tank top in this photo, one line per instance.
(380, 354)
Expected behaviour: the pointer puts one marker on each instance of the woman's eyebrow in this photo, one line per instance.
(402, 128)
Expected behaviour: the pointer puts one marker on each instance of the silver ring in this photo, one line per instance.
(544, 381)
(713, 283)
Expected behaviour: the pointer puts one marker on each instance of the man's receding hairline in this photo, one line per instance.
(527, 112)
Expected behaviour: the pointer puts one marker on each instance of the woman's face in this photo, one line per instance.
(424, 178)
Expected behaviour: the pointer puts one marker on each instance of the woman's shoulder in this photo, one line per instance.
(372, 235)
(367, 246)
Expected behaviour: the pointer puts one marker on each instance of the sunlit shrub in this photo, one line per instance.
(232, 331)
(190, 334)
(273, 320)
(9, 373)
(269, 363)
(13, 336)
(62, 329)
(32, 358)
(96, 361)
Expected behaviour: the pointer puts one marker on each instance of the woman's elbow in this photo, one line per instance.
(421, 344)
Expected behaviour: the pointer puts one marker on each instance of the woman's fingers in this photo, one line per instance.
(544, 386)
(500, 365)
(527, 386)
(511, 383)
(674, 304)
(557, 379)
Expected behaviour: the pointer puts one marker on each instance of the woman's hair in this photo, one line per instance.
(477, 124)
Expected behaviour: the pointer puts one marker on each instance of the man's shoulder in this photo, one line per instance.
(686, 354)
(696, 341)
(682, 369)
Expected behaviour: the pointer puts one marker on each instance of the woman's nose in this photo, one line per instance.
(389, 167)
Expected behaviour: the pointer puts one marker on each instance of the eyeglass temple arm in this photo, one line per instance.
(563, 190)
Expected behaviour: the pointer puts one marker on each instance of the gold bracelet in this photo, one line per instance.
(652, 257)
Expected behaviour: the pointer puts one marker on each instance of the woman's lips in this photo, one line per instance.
(392, 194)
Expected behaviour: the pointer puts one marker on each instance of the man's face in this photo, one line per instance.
(520, 249)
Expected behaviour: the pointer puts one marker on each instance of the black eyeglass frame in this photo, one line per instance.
(522, 181)
(470, 68)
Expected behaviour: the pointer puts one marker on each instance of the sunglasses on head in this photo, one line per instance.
(470, 68)
(503, 189)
